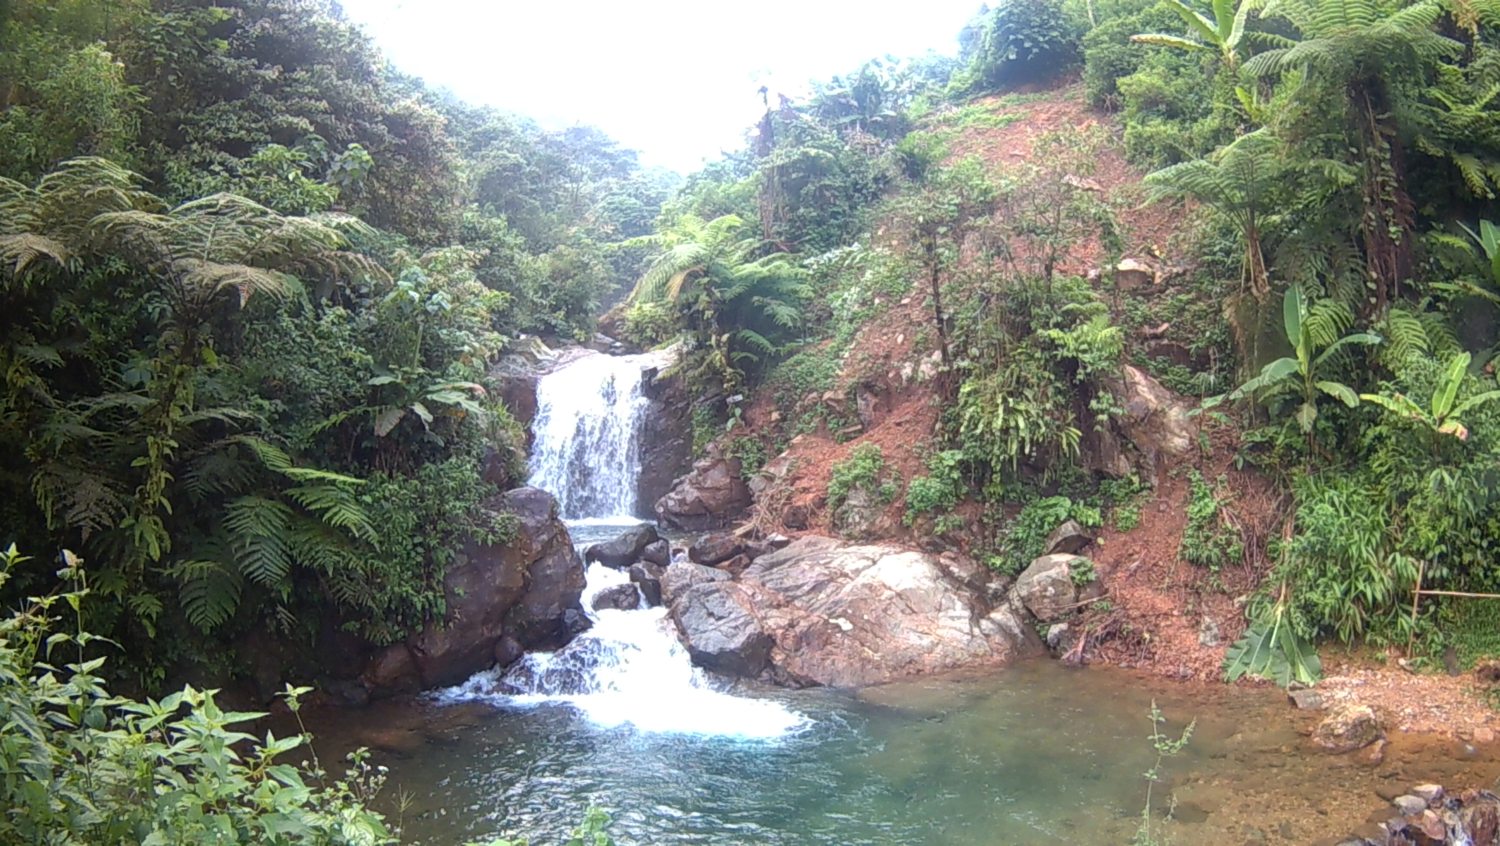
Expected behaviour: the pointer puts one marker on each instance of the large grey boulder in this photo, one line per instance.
(1046, 588)
(847, 616)
(525, 589)
(710, 497)
(679, 577)
(720, 629)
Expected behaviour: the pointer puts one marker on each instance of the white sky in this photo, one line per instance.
(674, 79)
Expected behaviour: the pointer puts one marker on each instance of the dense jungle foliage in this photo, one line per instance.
(253, 281)
(1339, 311)
(253, 278)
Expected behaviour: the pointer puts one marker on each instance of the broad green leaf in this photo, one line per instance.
(1307, 415)
(387, 420)
(1340, 391)
(1448, 384)
(1291, 315)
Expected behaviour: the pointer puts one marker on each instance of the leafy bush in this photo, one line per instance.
(85, 766)
(1208, 540)
(1019, 41)
(863, 469)
(1024, 537)
(1081, 571)
(939, 490)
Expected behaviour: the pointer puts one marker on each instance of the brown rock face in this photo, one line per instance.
(846, 616)
(525, 590)
(666, 436)
(710, 497)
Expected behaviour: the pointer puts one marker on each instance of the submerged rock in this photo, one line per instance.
(844, 616)
(620, 598)
(1347, 727)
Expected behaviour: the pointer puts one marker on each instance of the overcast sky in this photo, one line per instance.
(674, 79)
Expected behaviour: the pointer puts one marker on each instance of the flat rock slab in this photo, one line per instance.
(846, 616)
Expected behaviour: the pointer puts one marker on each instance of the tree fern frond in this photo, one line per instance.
(209, 592)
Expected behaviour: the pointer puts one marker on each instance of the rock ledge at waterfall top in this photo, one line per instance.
(820, 612)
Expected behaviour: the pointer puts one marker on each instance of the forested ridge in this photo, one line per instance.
(253, 279)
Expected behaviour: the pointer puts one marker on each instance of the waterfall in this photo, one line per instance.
(629, 668)
(587, 449)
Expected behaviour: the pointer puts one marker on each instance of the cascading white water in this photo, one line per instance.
(629, 667)
(587, 449)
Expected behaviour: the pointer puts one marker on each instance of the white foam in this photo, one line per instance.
(630, 669)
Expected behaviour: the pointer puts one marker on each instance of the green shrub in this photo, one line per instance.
(1207, 540)
(863, 469)
(939, 490)
(83, 765)
(751, 453)
(1019, 41)
(1024, 537)
(1081, 571)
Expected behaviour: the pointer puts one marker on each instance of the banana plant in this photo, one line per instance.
(1272, 650)
(1311, 330)
(1444, 412)
(1223, 33)
(415, 397)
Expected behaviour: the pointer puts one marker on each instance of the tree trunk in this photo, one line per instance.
(934, 280)
(1387, 221)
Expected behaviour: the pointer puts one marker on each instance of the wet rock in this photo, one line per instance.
(1070, 538)
(527, 589)
(710, 497)
(1046, 588)
(1347, 727)
(666, 436)
(619, 598)
(853, 615)
(1409, 805)
(681, 576)
(720, 630)
(508, 651)
(657, 552)
(1305, 699)
(647, 576)
(716, 548)
(624, 550)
